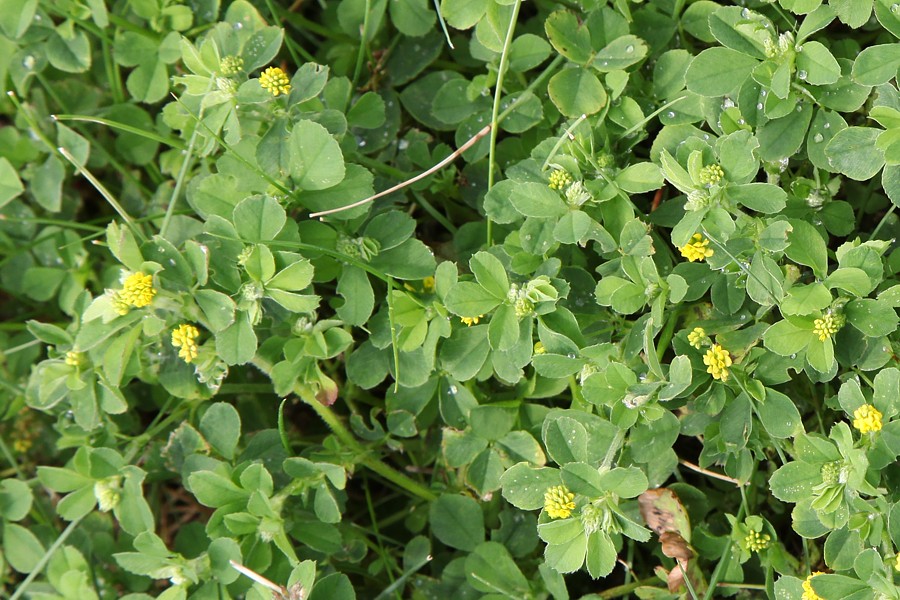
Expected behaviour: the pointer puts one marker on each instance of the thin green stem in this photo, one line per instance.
(724, 559)
(640, 124)
(392, 323)
(613, 449)
(624, 590)
(103, 192)
(150, 135)
(668, 331)
(363, 44)
(182, 173)
(495, 111)
(437, 9)
(882, 221)
(11, 459)
(20, 591)
(366, 458)
(567, 134)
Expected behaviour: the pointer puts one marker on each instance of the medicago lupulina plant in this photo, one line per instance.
(414, 299)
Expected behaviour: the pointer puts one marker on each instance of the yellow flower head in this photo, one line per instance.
(696, 249)
(184, 337)
(757, 541)
(711, 174)
(74, 358)
(717, 360)
(539, 348)
(469, 321)
(428, 285)
(559, 179)
(559, 502)
(827, 326)
(696, 337)
(137, 291)
(275, 81)
(867, 418)
(808, 592)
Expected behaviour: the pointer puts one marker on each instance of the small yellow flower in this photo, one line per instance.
(867, 418)
(897, 563)
(808, 592)
(559, 179)
(428, 285)
(184, 337)
(559, 502)
(826, 327)
(275, 81)
(696, 337)
(711, 174)
(697, 248)
(756, 541)
(469, 321)
(717, 361)
(74, 358)
(137, 291)
(539, 348)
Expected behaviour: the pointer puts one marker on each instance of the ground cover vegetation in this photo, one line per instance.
(634, 335)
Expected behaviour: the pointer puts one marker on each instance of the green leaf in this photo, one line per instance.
(779, 415)
(577, 92)
(69, 49)
(457, 521)
(781, 138)
(21, 548)
(761, 197)
(524, 485)
(854, 153)
(503, 330)
(566, 440)
(819, 65)
(601, 554)
(718, 71)
(10, 184)
(876, 64)
(16, 16)
(785, 338)
(569, 37)
(15, 499)
(468, 299)
(794, 481)
(262, 47)
(316, 160)
(258, 218)
(807, 247)
(490, 274)
(368, 111)
(221, 426)
(874, 318)
(567, 557)
(527, 52)
(359, 299)
(213, 490)
(619, 54)
(237, 343)
(463, 14)
(491, 569)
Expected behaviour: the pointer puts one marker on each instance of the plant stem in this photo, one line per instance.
(495, 111)
(623, 590)
(45, 558)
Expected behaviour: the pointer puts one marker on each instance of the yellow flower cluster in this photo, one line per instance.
(756, 541)
(231, 65)
(428, 285)
(696, 249)
(559, 502)
(539, 348)
(73, 358)
(696, 337)
(867, 418)
(711, 174)
(559, 179)
(184, 337)
(469, 321)
(275, 81)
(137, 291)
(826, 327)
(717, 360)
(808, 592)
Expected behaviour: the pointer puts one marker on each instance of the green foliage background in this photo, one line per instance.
(496, 382)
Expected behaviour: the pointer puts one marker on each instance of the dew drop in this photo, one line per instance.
(759, 106)
(742, 122)
(727, 103)
(629, 49)
(571, 355)
(763, 93)
(895, 8)
(745, 13)
(452, 390)
(826, 126)
(28, 62)
(802, 74)
(238, 25)
(793, 356)
(818, 138)
(671, 114)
